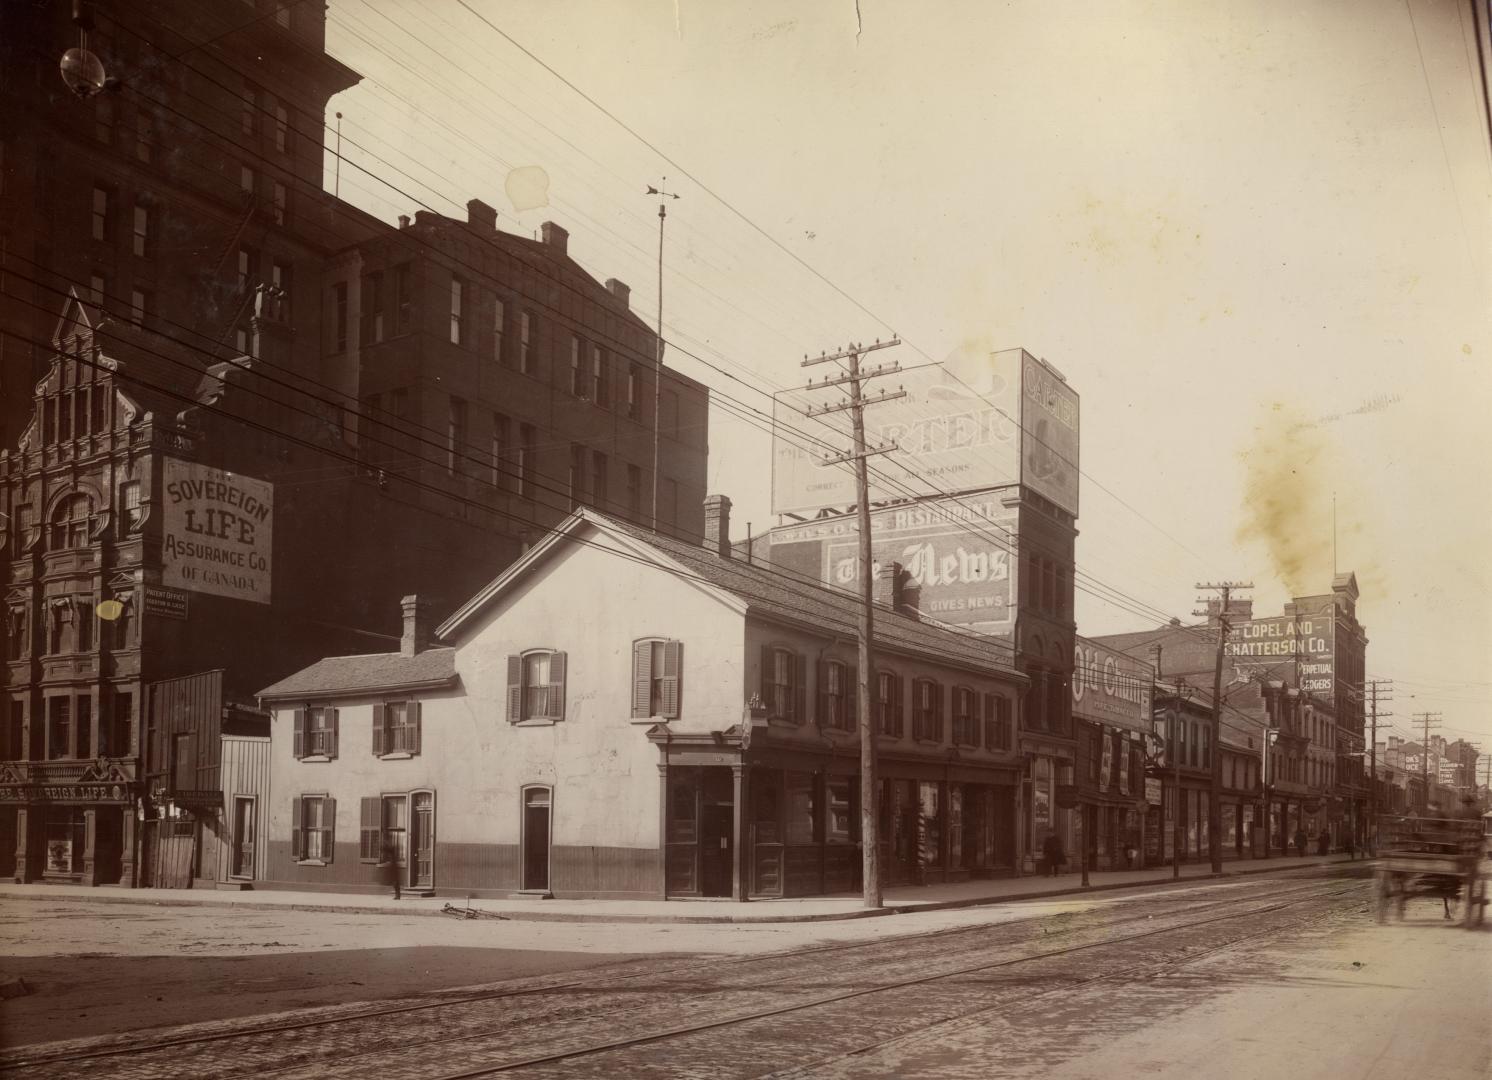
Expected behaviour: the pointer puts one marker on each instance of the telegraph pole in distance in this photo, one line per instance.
(658, 359)
(855, 405)
(1427, 721)
(1215, 794)
(1376, 688)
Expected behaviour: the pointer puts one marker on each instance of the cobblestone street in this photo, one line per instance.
(1023, 990)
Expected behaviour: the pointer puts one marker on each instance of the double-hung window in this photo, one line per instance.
(927, 710)
(458, 300)
(836, 696)
(783, 679)
(997, 726)
(577, 378)
(313, 828)
(526, 334)
(657, 671)
(316, 732)
(396, 728)
(965, 717)
(536, 686)
(600, 377)
(889, 719)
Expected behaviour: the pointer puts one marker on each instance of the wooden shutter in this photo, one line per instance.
(800, 688)
(673, 677)
(370, 833)
(973, 721)
(300, 734)
(767, 667)
(642, 679)
(329, 823)
(852, 686)
(380, 724)
(412, 719)
(515, 689)
(556, 686)
(898, 706)
(822, 697)
(332, 713)
(295, 827)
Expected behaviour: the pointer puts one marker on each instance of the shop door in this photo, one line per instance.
(716, 851)
(422, 842)
(536, 839)
(898, 827)
(242, 856)
(175, 850)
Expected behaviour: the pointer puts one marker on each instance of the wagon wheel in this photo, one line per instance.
(1383, 891)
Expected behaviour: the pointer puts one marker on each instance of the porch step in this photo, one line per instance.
(531, 894)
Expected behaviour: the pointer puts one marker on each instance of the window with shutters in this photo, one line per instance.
(657, 670)
(313, 829)
(783, 683)
(316, 733)
(837, 696)
(965, 717)
(396, 729)
(536, 687)
(998, 730)
(927, 710)
(888, 705)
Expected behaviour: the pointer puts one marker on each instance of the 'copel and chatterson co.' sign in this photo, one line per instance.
(219, 528)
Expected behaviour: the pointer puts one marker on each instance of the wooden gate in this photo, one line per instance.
(169, 853)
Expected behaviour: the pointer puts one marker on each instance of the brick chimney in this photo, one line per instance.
(555, 237)
(889, 585)
(480, 215)
(717, 525)
(416, 636)
(620, 289)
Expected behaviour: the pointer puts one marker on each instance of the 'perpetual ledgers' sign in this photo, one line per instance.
(219, 532)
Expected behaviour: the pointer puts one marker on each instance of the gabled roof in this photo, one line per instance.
(758, 589)
(347, 676)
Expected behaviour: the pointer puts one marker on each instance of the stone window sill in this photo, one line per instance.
(401, 755)
(310, 862)
(315, 758)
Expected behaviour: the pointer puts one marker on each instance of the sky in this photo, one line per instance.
(1254, 237)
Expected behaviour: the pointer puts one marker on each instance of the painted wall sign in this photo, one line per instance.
(980, 420)
(218, 532)
(1153, 793)
(1282, 642)
(167, 603)
(955, 553)
(65, 793)
(1109, 687)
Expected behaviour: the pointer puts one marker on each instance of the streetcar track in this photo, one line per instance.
(690, 1029)
(440, 1002)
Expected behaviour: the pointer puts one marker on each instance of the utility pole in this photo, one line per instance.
(855, 405)
(1427, 720)
(658, 360)
(1214, 796)
(1376, 690)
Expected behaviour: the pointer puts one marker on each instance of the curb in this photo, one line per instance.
(602, 917)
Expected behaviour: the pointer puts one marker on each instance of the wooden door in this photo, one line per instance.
(422, 841)
(536, 839)
(242, 856)
(716, 850)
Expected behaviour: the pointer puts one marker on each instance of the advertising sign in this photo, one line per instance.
(218, 532)
(979, 420)
(1282, 641)
(1109, 687)
(1153, 794)
(1107, 767)
(955, 553)
(1124, 756)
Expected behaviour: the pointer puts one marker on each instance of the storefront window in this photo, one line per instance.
(1041, 798)
(1230, 825)
(839, 827)
(66, 830)
(956, 827)
(800, 808)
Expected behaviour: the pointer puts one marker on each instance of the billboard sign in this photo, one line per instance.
(979, 420)
(955, 553)
(1109, 687)
(218, 532)
(1281, 642)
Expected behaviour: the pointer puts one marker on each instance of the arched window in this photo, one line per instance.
(70, 522)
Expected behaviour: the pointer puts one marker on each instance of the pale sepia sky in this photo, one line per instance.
(1254, 236)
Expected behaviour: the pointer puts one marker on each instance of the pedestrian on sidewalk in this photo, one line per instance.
(389, 866)
(1300, 841)
(1051, 851)
(1351, 847)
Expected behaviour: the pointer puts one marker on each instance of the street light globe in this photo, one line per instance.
(83, 72)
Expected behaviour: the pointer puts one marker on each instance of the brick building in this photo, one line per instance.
(205, 465)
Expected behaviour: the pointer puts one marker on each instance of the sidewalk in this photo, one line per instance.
(899, 900)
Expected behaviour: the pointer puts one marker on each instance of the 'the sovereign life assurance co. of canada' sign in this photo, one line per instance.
(218, 532)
